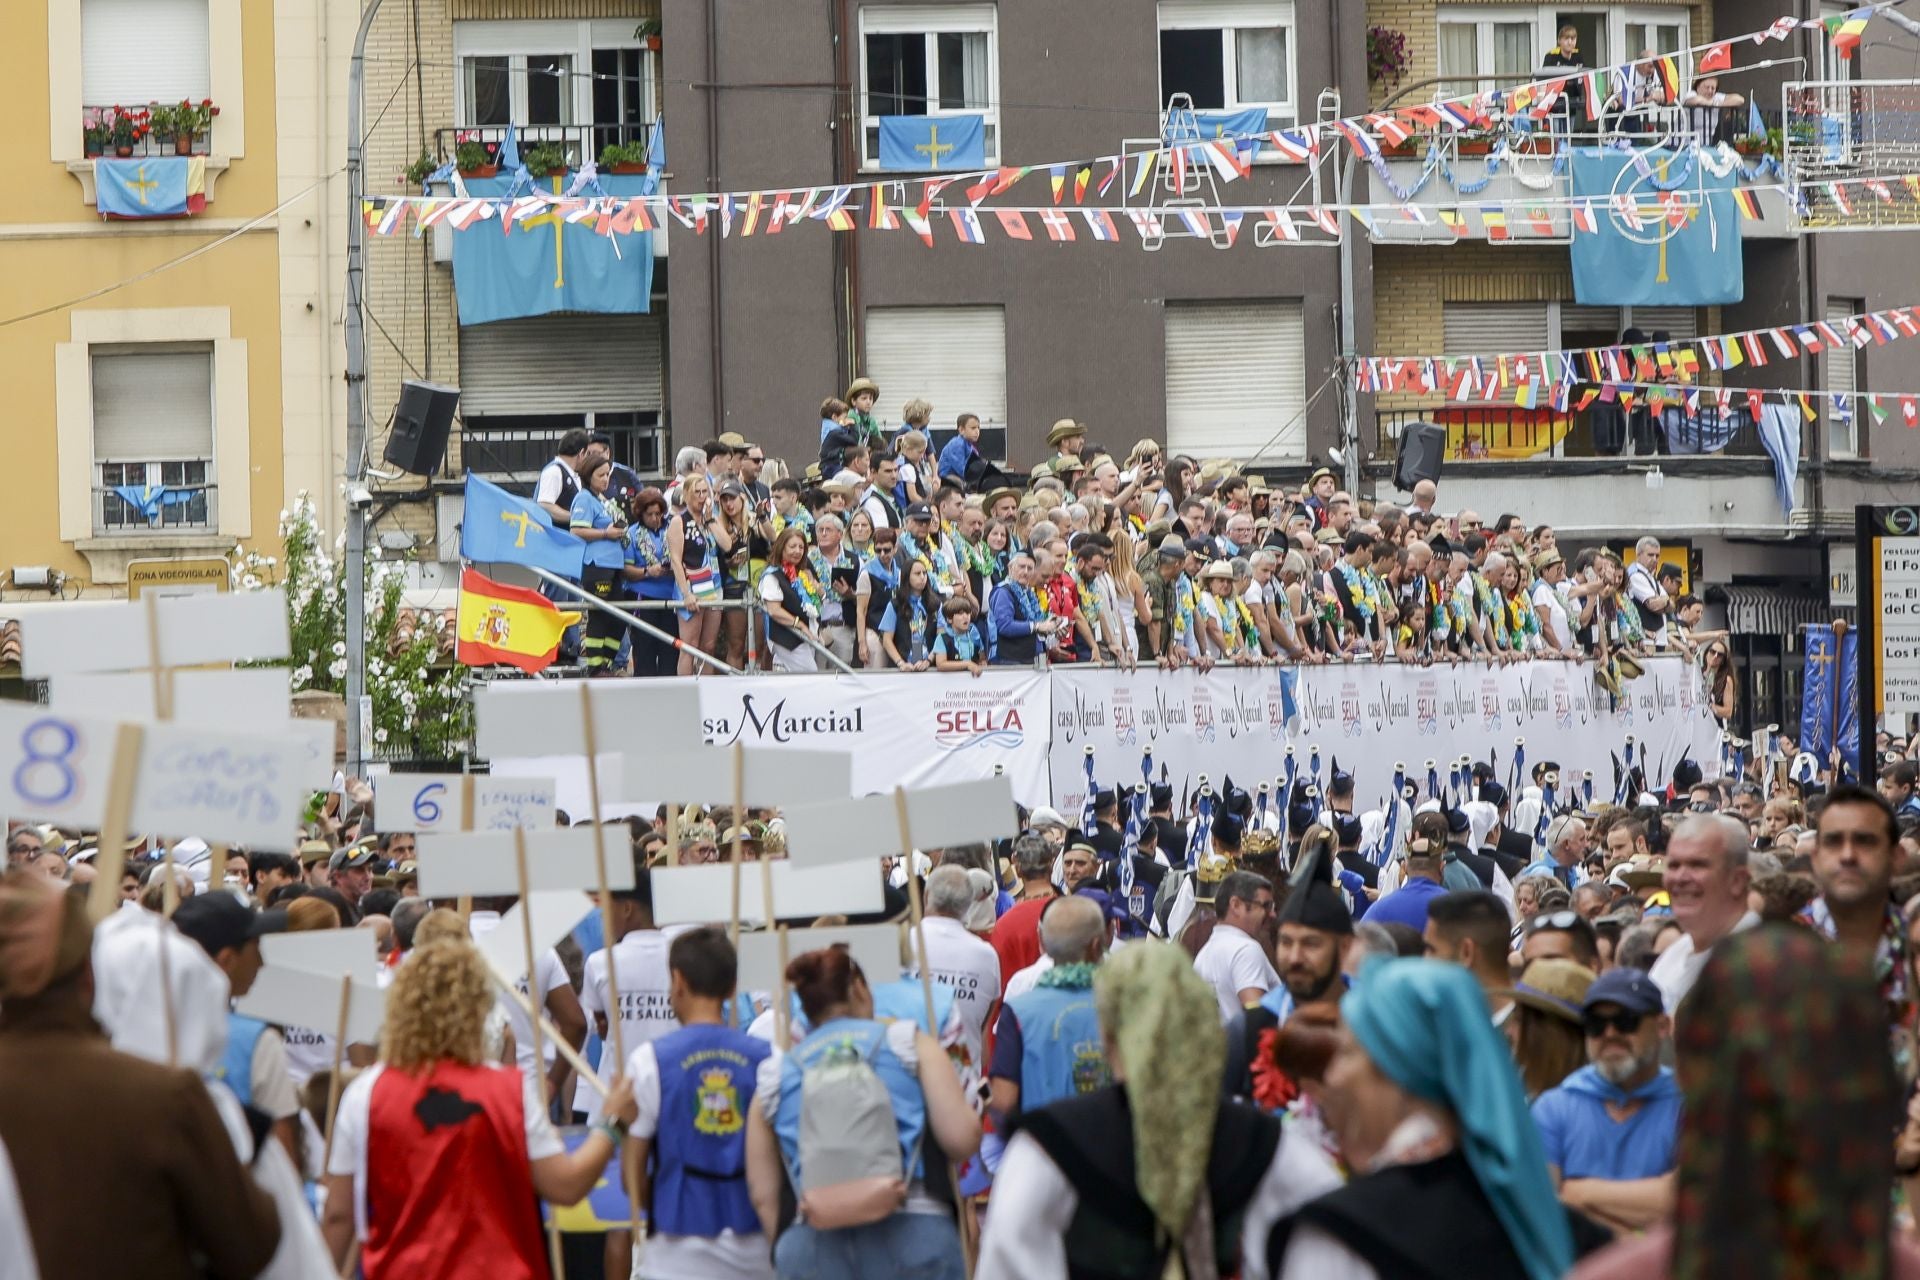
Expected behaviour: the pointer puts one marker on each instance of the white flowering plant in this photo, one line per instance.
(419, 702)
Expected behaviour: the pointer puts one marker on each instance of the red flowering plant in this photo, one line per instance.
(195, 117)
(126, 128)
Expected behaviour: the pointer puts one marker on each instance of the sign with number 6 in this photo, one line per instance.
(421, 802)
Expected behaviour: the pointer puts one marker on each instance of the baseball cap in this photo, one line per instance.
(1631, 989)
(354, 856)
(218, 920)
(919, 511)
(1045, 817)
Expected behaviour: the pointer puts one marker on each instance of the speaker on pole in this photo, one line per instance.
(418, 441)
(1423, 445)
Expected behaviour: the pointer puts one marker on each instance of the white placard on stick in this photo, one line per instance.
(331, 953)
(244, 699)
(423, 802)
(193, 630)
(544, 718)
(875, 948)
(296, 998)
(704, 894)
(555, 913)
(483, 863)
(769, 779)
(869, 827)
(192, 781)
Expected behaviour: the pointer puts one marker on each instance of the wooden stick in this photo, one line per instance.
(782, 1027)
(162, 678)
(539, 1050)
(739, 794)
(673, 833)
(111, 861)
(334, 1082)
(580, 1065)
(466, 824)
(606, 913)
(169, 891)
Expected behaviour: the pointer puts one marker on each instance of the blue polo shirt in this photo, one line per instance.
(1583, 1141)
(1407, 905)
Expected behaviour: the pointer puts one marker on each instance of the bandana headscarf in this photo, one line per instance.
(1426, 1027)
(1789, 1100)
(1166, 1022)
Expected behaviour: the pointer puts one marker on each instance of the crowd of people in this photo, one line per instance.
(885, 554)
(1468, 1033)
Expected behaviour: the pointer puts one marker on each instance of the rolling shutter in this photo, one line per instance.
(1681, 322)
(1842, 363)
(152, 406)
(954, 358)
(561, 363)
(138, 51)
(1236, 379)
(1486, 328)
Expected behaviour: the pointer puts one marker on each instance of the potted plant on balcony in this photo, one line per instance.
(545, 159)
(1387, 55)
(624, 157)
(1476, 142)
(473, 158)
(1751, 144)
(192, 120)
(416, 175)
(126, 128)
(648, 34)
(93, 131)
(165, 121)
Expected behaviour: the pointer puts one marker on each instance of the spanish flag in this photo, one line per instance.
(510, 625)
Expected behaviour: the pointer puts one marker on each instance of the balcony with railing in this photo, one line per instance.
(1509, 433)
(511, 448)
(158, 497)
(578, 143)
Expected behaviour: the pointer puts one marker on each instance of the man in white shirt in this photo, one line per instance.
(1234, 962)
(1653, 602)
(1706, 880)
(963, 961)
(551, 990)
(560, 478)
(644, 980)
(1556, 628)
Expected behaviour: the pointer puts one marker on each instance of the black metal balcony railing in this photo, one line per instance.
(515, 447)
(1482, 433)
(1650, 126)
(151, 145)
(581, 142)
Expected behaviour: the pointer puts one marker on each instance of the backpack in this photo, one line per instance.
(850, 1170)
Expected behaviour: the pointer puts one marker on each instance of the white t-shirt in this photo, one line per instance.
(646, 1011)
(351, 1125)
(270, 1078)
(1546, 600)
(1679, 966)
(309, 1052)
(971, 967)
(1642, 588)
(1028, 978)
(876, 510)
(1232, 962)
(551, 975)
(725, 1257)
(553, 479)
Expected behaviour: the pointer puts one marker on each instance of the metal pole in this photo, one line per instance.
(356, 339)
(588, 597)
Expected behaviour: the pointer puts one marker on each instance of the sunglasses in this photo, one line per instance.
(1624, 1022)
(1699, 806)
(1558, 920)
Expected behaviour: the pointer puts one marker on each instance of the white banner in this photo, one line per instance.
(1235, 721)
(936, 728)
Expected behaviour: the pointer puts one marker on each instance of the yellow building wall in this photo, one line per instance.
(54, 250)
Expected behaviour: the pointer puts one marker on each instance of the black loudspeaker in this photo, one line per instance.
(418, 441)
(1423, 446)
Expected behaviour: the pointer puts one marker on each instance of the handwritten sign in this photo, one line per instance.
(875, 948)
(704, 894)
(526, 718)
(868, 827)
(192, 630)
(770, 779)
(423, 802)
(191, 781)
(483, 864)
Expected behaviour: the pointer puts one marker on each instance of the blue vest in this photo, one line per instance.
(903, 1086)
(236, 1066)
(905, 1000)
(700, 1150)
(1061, 1052)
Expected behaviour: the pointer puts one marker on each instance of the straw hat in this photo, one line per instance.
(1064, 429)
(858, 385)
(1218, 569)
(1558, 987)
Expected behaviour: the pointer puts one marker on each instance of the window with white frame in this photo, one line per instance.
(1843, 379)
(1833, 65)
(1506, 43)
(1229, 55)
(929, 60)
(589, 82)
(138, 51)
(152, 437)
(1483, 328)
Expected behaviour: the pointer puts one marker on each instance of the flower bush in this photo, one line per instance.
(417, 701)
(1387, 55)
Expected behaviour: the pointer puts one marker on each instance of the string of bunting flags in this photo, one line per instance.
(1560, 397)
(1227, 156)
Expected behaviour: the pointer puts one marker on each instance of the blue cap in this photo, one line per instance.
(1631, 989)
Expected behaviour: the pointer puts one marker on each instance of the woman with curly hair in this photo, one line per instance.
(438, 1154)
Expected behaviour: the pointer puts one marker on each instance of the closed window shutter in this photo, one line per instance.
(1679, 322)
(1843, 364)
(152, 406)
(1236, 380)
(561, 364)
(1226, 13)
(1578, 319)
(954, 358)
(138, 51)
(1491, 328)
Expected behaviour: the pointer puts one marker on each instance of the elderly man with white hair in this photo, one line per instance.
(961, 960)
(1706, 880)
(1566, 846)
(1046, 1044)
(1644, 588)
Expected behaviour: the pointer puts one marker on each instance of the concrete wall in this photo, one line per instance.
(1085, 335)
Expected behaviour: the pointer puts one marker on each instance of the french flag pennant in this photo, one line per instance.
(1808, 339)
(1289, 144)
(1453, 116)
(1100, 225)
(1362, 142)
(1882, 331)
(1147, 223)
(1829, 333)
(1231, 219)
(1282, 223)
(966, 225)
(1196, 222)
